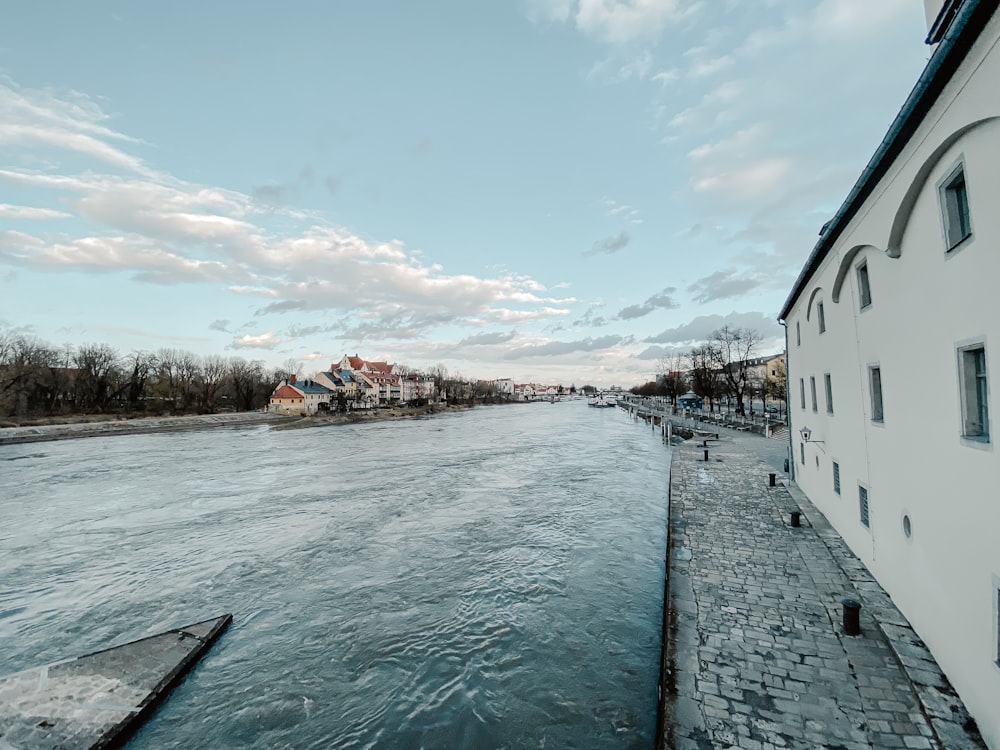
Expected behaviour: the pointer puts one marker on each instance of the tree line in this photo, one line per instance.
(718, 369)
(38, 379)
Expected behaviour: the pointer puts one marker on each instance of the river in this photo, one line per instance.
(491, 578)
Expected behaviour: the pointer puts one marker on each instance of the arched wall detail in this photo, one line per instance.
(905, 210)
(809, 307)
(845, 267)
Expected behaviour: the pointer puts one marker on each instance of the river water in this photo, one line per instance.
(491, 578)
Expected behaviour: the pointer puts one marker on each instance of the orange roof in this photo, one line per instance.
(286, 391)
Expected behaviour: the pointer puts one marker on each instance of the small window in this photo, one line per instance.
(798, 334)
(812, 391)
(996, 613)
(828, 386)
(802, 392)
(975, 406)
(820, 317)
(875, 377)
(864, 286)
(802, 453)
(836, 477)
(865, 517)
(954, 197)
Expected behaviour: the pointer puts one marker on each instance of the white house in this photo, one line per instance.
(893, 340)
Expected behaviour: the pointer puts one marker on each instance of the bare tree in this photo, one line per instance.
(98, 378)
(290, 367)
(143, 365)
(212, 376)
(246, 380)
(703, 372)
(733, 349)
(670, 375)
(188, 369)
(30, 376)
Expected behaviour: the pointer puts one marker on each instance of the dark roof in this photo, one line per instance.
(966, 24)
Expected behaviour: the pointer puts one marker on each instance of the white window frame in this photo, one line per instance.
(812, 393)
(875, 395)
(956, 213)
(995, 588)
(864, 506)
(828, 389)
(836, 477)
(973, 388)
(864, 285)
(798, 334)
(802, 392)
(821, 316)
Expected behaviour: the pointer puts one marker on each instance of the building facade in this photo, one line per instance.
(893, 343)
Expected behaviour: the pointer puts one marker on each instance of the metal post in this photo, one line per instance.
(706, 454)
(770, 479)
(796, 518)
(852, 616)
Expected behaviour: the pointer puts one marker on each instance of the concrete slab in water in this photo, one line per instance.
(99, 700)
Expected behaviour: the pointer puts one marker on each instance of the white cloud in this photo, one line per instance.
(159, 229)
(9, 211)
(700, 329)
(261, 341)
(858, 18)
(749, 181)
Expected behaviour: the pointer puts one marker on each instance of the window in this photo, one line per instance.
(798, 334)
(820, 317)
(802, 453)
(865, 518)
(875, 377)
(954, 196)
(975, 409)
(836, 477)
(812, 391)
(864, 286)
(828, 385)
(996, 616)
(802, 392)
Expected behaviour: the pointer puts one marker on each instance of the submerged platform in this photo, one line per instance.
(99, 700)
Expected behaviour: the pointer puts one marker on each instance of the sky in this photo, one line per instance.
(554, 191)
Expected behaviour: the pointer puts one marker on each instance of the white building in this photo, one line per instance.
(893, 335)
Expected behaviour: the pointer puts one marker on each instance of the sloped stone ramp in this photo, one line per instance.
(101, 699)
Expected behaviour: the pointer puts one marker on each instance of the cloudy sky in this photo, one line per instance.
(556, 191)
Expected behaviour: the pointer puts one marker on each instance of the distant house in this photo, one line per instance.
(893, 330)
(293, 396)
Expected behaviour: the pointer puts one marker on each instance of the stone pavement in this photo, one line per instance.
(756, 655)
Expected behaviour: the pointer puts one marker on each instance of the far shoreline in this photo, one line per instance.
(82, 426)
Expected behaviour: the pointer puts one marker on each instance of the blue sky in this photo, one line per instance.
(556, 191)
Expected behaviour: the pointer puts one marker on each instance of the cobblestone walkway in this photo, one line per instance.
(757, 656)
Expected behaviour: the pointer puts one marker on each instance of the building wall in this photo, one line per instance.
(926, 303)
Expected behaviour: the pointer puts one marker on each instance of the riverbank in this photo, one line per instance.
(97, 425)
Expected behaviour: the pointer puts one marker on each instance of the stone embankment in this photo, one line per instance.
(90, 427)
(87, 428)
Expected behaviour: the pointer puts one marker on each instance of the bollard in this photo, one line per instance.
(852, 617)
(770, 479)
(706, 454)
(786, 465)
(796, 518)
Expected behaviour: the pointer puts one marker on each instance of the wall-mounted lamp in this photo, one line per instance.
(806, 434)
